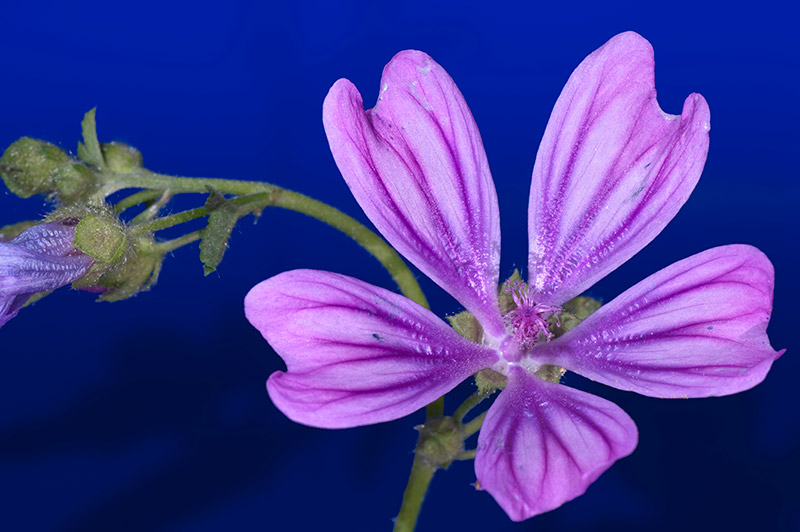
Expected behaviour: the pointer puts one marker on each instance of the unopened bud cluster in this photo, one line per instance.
(29, 167)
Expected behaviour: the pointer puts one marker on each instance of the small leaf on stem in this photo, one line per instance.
(89, 150)
(221, 220)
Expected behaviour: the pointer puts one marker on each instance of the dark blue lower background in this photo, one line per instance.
(151, 414)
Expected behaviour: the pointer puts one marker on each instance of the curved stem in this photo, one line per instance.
(421, 471)
(136, 198)
(370, 241)
(421, 475)
(471, 402)
(279, 197)
(474, 426)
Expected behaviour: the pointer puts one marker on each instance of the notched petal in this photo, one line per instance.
(612, 169)
(355, 354)
(416, 165)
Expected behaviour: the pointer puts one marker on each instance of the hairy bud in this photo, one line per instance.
(29, 167)
(121, 158)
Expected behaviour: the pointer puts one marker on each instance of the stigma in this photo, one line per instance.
(527, 321)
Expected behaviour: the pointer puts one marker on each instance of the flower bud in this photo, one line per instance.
(121, 158)
(137, 271)
(29, 167)
(101, 238)
(39, 259)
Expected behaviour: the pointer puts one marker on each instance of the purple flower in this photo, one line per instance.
(612, 170)
(40, 258)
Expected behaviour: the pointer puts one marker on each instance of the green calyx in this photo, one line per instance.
(137, 271)
(120, 157)
(30, 166)
(572, 313)
(441, 440)
(488, 380)
(467, 326)
(9, 232)
(101, 238)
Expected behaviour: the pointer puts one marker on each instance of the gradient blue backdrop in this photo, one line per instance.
(151, 414)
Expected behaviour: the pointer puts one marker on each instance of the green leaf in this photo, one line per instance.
(221, 220)
(89, 150)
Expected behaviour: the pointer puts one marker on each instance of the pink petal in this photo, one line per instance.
(542, 444)
(356, 354)
(416, 165)
(695, 329)
(612, 169)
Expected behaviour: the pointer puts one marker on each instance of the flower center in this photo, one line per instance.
(527, 322)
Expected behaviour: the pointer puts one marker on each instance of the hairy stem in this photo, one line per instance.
(471, 402)
(170, 245)
(136, 198)
(418, 481)
(276, 197)
(255, 195)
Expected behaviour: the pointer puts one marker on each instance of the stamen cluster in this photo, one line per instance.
(528, 320)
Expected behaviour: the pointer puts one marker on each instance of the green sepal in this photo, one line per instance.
(550, 373)
(488, 380)
(573, 312)
(101, 238)
(221, 221)
(467, 326)
(89, 150)
(505, 300)
(136, 272)
(10, 232)
(120, 157)
(37, 297)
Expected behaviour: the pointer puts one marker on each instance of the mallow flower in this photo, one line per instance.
(39, 259)
(611, 171)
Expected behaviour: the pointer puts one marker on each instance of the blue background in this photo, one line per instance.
(151, 414)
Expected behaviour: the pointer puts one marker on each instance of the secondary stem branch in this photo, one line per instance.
(279, 197)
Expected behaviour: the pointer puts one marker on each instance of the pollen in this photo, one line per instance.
(528, 321)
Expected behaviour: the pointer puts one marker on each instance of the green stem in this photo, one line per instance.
(471, 402)
(421, 476)
(473, 426)
(276, 197)
(137, 198)
(467, 455)
(169, 221)
(435, 409)
(171, 245)
(421, 471)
